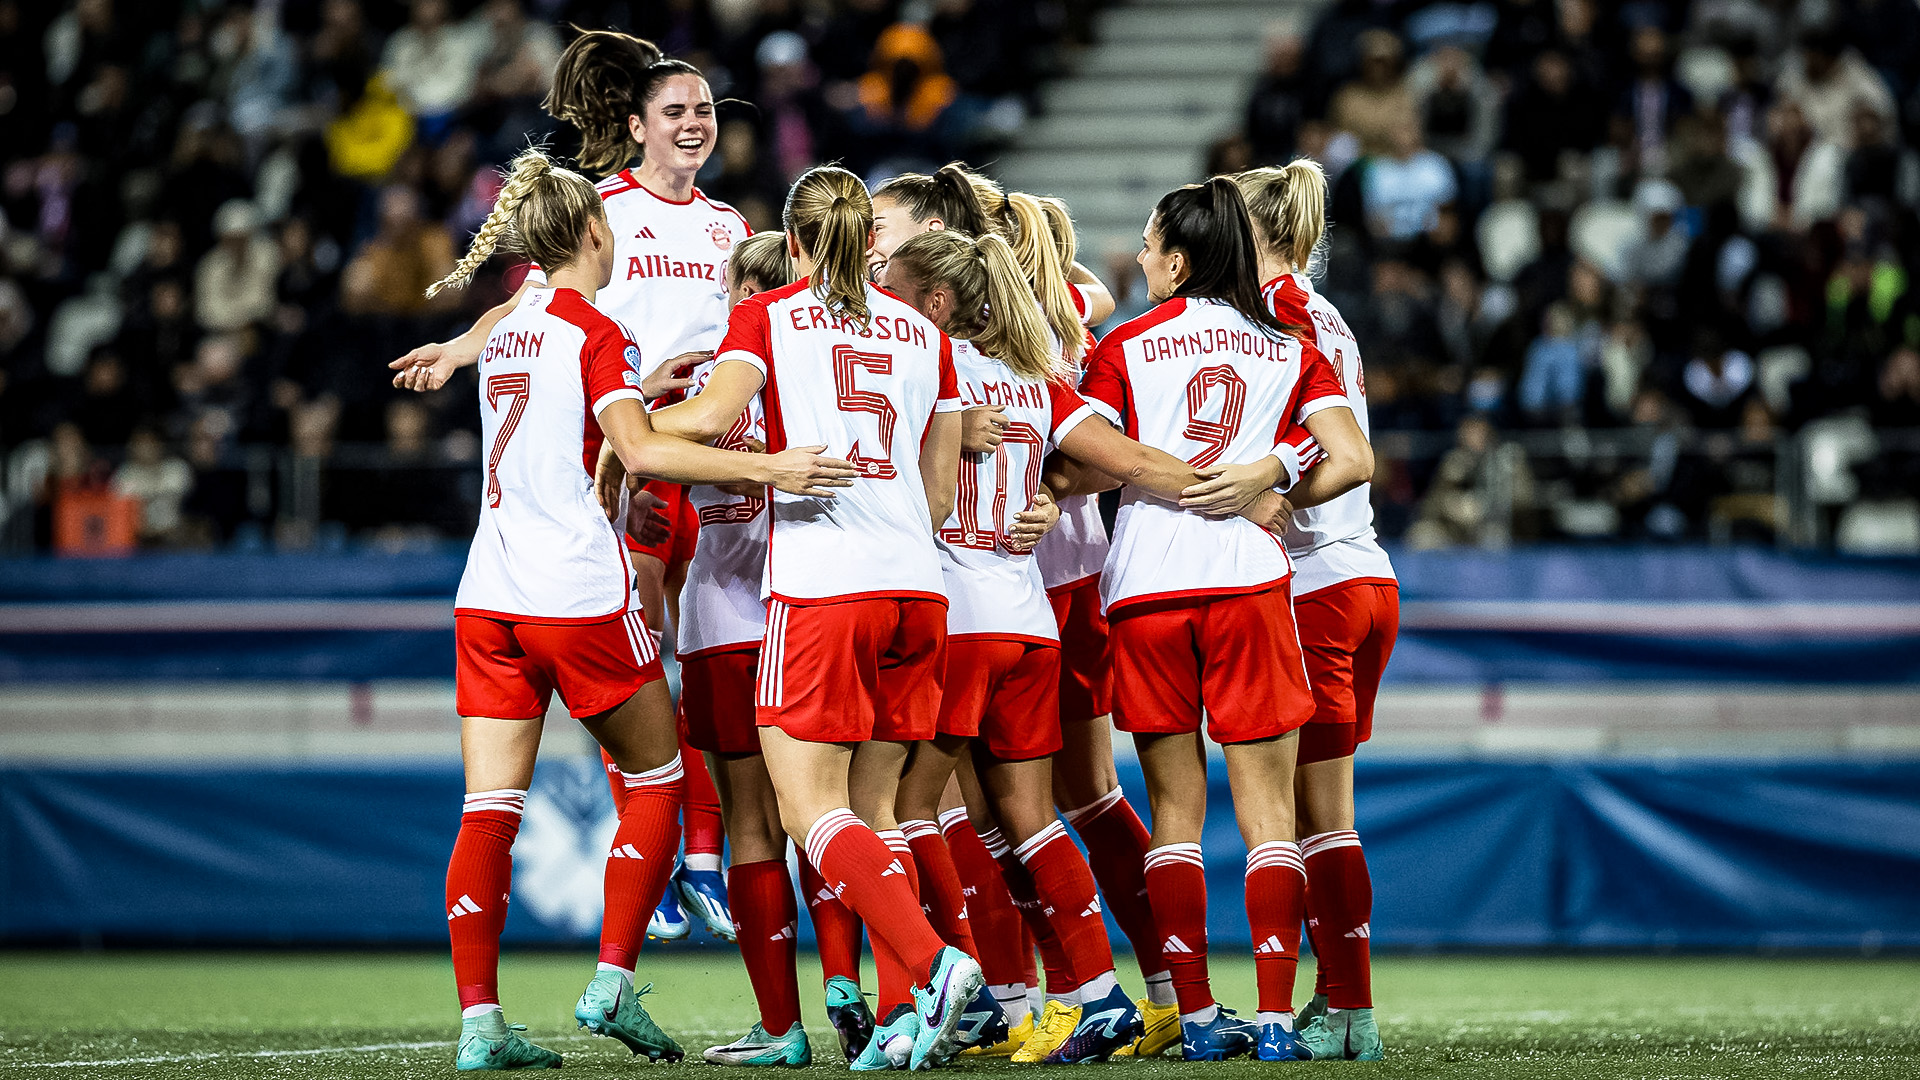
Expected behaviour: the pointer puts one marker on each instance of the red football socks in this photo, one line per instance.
(640, 860)
(1062, 979)
(479, 879)
(700, 807)
(1177, 885)
(877, 883)
(1117, 854)
(941, 895)
(996, 925)
(1340, 903)
(761, 895)
(836, 929)
(1061, 876)
(1276, 893)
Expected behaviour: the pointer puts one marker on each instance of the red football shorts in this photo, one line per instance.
(1235, 658)
(854, 670)
(716, 701)
(1086, 691)
(683, 525)
(1004, 693)
(510, 670)
(1346, 633)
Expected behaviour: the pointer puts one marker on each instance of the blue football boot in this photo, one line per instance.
(668, 922)
(847, 1011)
(1225, 1036)
(703, 895)
(1280, 1043)
(1105, 1026)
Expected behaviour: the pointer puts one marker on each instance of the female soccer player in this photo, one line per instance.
(1198, 607)
(855, 641)
(1347, 604)
(545, 604)
(670, 263)
(999, 699)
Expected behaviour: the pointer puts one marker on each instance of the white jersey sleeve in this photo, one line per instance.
(866, 393)
(994, 592)
(1332, 543)
(1197, 379)
(544, 551)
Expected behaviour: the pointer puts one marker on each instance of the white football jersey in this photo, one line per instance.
(866, 394)
(1197, 379)
(993, 591)
(544, 551)
(1076, 549)
(669, 267)
(1334, 542)
(720, 607)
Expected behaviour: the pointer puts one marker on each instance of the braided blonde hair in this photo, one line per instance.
(542, 212)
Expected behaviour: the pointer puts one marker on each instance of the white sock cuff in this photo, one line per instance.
(1081, 815)
(917, 829)
(670, 773)
(504, 800)
(701, 860)
(825, 828)
(1169, 854)
(1055, 831)
(895, 840)
(952, 819)
(1276, 854)
(1327, 841)
(996, 844)
(482, 1009)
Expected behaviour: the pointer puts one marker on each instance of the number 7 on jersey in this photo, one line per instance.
(516, 388)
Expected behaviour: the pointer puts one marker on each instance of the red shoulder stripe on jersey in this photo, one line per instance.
(1140, 324)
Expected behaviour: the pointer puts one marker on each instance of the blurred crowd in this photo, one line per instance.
(217, 221)
(1606, 259)
(1615, 255)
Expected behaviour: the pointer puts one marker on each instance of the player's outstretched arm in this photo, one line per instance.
(940, 464)
(1348, 463)
(1099, 297)
(430, 366)
(1097, 443)
(642, 450)
(710, 413)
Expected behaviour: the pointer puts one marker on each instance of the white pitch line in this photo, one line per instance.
(165, 1059)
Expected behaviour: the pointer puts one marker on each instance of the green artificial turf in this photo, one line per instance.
(393, 1015)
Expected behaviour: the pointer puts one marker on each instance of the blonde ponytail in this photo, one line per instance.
(542, 211)
(1060, 221)
(1039, 258)
(829, 212)
(1289, 205)
(993, 306)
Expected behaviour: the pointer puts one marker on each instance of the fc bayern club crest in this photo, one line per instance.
(722, 239)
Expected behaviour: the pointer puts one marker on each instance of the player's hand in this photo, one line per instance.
(645, 521)
(430, 366)
(610, 482)
(1269, 510)
(1229, 489)
(1031, 524)
(748, 445)
(803, 471)
(981, 428)
(675, 374)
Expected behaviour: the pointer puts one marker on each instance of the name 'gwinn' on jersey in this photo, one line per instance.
(993, 591)
(1334, 542)
(544, 551)
(867, 394)
(1197, 379)
(720, 607)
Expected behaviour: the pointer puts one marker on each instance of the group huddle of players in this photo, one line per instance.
(854, 465)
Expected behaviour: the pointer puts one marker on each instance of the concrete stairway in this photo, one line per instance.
(1135, 118)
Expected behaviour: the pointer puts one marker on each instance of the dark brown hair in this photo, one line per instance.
(1210, 225)
(603, 78)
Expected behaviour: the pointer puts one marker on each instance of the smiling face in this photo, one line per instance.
(678, 131)
(893, 225)
(1165, 269)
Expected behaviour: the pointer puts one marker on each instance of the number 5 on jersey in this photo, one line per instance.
(847, 361)
(516, 389)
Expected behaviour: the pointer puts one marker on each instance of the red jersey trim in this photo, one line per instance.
(1024, 639)
(822, 601)
(1119, 607)
(1076, 583)
(618, 184)
(749, 645)
(1348, 583)
(1140, 324)
(536, 620)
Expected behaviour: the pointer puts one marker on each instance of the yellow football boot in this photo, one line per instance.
(1056, 1023)
(1017, 1037)
(1161, 1031)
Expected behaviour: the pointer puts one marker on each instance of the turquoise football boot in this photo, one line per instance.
(488, 1044)
(612, 1008)
(892, 1043)
(1344, 1035)
(955, 981)
(757, 1047)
